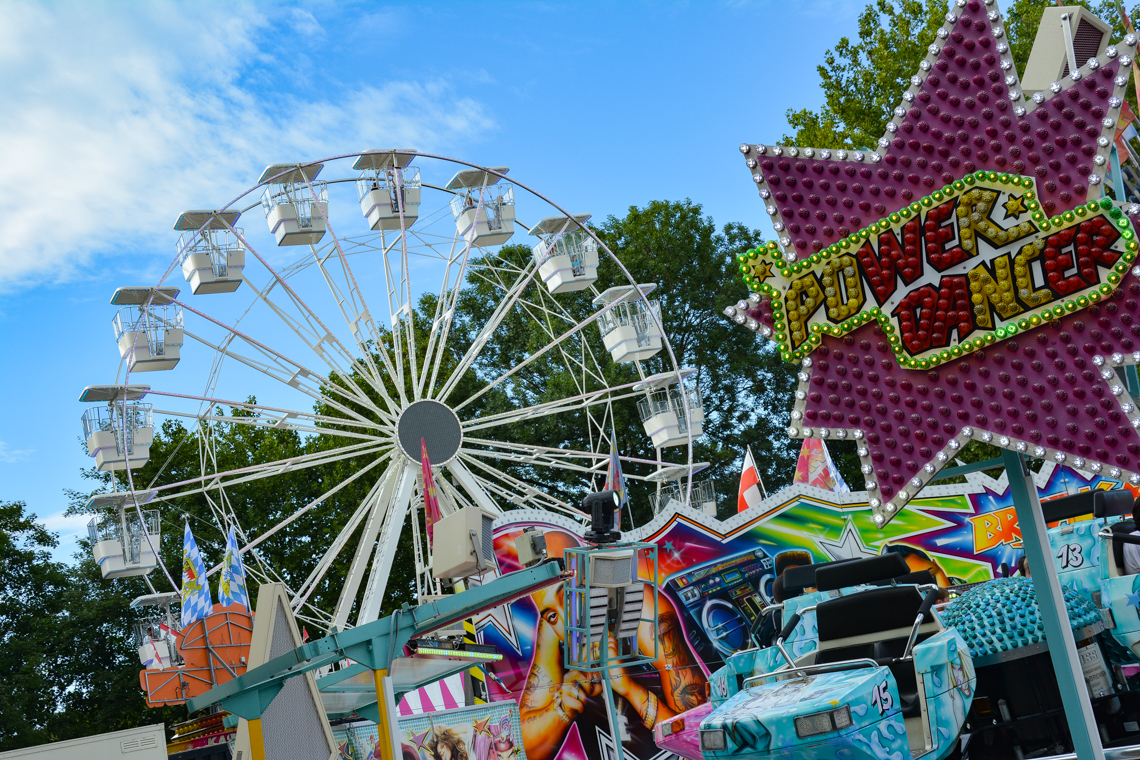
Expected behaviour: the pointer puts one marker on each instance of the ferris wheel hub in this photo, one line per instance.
(433, 423)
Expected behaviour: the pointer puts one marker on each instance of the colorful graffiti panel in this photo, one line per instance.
(716, 579)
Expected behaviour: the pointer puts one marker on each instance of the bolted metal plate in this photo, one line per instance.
(436, 425)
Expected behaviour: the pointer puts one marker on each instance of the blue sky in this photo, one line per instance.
(118, 116)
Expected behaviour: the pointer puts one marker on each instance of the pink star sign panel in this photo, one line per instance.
(965, 280)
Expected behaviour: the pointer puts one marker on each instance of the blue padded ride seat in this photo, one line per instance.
(878, 610)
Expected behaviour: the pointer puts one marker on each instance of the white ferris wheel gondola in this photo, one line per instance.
(148, 328)
(388, 189)
(662, 408)
(484, 210)
(121, 428)
(122, 542)
(210, 251)
(566, 255)
(295, 205)
(630, 325)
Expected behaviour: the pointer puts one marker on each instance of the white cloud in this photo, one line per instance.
(9, 455)
(119, 116)
(305, 23)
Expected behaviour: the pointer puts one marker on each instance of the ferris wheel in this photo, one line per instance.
(336, 299)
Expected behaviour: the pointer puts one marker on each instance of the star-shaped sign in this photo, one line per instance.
(1015, 207)
(1046, 388)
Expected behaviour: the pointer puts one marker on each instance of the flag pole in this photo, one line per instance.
(763, 490)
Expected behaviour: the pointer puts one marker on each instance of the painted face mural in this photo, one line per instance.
(714, 585)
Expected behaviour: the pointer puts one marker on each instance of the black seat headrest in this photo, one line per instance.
(880, 609)
(1095, 503)
(1113, 503)
(918, 578)
(866, 570)
(800, 577)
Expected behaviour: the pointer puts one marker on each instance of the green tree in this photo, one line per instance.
(863, 78)
(32, 587)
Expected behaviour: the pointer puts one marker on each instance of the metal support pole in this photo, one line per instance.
(385, 726)
(615, 718)
(256, 740)
(1051, 607)
(1132, 381)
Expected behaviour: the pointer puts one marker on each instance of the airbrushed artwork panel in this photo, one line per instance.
(716, 579)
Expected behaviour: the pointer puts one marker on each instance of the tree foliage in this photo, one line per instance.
(863, 78)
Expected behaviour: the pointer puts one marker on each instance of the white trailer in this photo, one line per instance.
(145, 743)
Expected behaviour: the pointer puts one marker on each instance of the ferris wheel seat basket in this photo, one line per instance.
(668, 429)
(627, 343)
(205, 277)
(211, 648)
(145, 355)
(479, 228)
(290, 228)
(112, 562)
(564, 272)
(101, 445)
(383, 214)
(155, 655)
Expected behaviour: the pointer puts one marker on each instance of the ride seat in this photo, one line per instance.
(875, 625)
(1125, 527)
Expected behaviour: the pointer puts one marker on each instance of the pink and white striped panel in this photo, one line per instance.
(441, 695)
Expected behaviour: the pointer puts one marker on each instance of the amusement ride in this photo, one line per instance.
(330, 325)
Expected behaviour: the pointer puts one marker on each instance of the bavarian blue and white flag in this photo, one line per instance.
(196, 601)
(231, 588)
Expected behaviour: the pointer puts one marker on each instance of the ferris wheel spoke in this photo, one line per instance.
(311, 505)
(315, 343)
(442, 320)
(282, 418)
(268, 469)
(470, 484)
(509, 488)
(541, 352)
(324, 334)
(379, 498)
(286, 371)
(305, 590)
(353, 319)
(549, 408)
(395, 512)
(275, 423)
(552, 456)
(501, 311)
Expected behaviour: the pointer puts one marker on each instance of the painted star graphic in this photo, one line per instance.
(762, 271)
(849, 546)
(1052, 391)
(669, 546)
(1015, 207)
(481, 727)
(420, 740)
(1133, 600)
